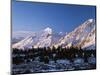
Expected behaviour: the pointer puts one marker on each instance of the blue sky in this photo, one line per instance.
(30, 16)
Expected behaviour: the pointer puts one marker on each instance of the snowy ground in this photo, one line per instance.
(59, 65)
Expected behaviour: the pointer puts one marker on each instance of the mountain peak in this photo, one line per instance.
(90, 20)
(48, 29)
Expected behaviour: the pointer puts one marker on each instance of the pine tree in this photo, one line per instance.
(46, 59)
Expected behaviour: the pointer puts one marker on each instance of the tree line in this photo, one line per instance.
(46, 54)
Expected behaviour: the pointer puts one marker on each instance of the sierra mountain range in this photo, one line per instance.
(82, 36)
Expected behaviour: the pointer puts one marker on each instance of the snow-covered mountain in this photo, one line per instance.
(89, 42)
(43, 38)
(20, 35)
(82, 36)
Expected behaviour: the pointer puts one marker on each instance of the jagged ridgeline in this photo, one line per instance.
(83, 36)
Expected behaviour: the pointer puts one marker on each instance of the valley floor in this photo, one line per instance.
(60, 65)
